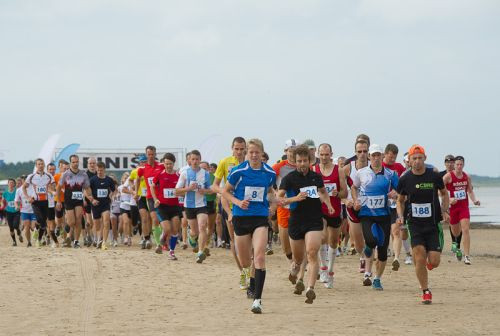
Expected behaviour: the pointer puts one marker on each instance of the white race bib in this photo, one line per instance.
(254, 194)
(181, 199)
(375, 202)
(41, 190)
(102, 193)
(312, 191)
(460, 194)
(11, 204)
(168, 193)
(144, 192)
(392, 203)
(77, 195)
(423, 210)
(330, 187)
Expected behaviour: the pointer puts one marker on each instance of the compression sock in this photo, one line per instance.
(459, 240)
(173, 242)
(406, 245)
(157, 234)
(323, 251)
(260, 278)
(252, 285)
(53, 235)
(331, 259)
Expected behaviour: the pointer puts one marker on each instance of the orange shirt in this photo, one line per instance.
(60, 197)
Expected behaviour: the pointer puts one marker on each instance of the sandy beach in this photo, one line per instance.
(128, 291)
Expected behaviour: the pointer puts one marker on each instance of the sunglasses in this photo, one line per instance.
(362, 151)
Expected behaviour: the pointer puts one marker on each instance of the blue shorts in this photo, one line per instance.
(28, 216)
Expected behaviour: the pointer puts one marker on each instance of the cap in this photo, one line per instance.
(416, 149)
(449, 158)
(142, 158)
(309, 143)
(291, 143)
(375, 149)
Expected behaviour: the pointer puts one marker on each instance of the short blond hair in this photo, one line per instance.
(256, 142)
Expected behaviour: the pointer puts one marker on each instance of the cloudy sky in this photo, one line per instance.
(125, 74)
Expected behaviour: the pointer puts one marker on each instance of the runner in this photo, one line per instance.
(126, 204)
(184, 222)
(194, 183)
(420, 188)
(12, 213)
(28, 218)
(238, 147)
(101, 188)
(398, 234)
(449, 163)
(305, 190)
(312, 151)
(150, 170)
(140, 197)
(73, 181)
(250, 189)
(460, 187)
(89, 228)
(51, 215)
(336, 187)
(363, 137)
(41, 183)
(210, 198)
(371, 189)
(59, 197)
(167, 203)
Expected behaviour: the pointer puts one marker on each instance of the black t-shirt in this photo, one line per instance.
(310, 208)
(348, 161)
(422, 196)
(443, 173)
(102, 188)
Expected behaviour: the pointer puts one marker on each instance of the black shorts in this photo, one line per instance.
(333, 222)
(167, 212)
(246, 225)
(41, 209)
(134, 214)
(60, 213)
(13, 219)
(429, 236)
(297, 229)
(124, 211)
(99, 209)
(71, 204)
(87, 208)
(192, 213)
(211, 207)
(142, 203)
(394, 215)
(51, 214)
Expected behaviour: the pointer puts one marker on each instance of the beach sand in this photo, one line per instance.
(128, 291)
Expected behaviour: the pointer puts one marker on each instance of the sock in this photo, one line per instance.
(331, 259)
(13, 236)
(377, 277)
(260, 278)
(173, 242)
(53, 235)
(425, 290)
(323, 251)
(157, 234)
(41, 232)
(252, 284)
(459, 240)
(406, 245)
(453, 239)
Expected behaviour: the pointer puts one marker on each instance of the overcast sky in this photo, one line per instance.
(125, 74)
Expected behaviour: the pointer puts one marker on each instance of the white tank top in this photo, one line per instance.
(351, 175)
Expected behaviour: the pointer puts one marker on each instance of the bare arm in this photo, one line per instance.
(343, 185)
(400, 208)
(445, 204)
(470, 192)
(325, 198)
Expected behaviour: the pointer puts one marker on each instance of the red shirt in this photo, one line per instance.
(458, 190)
(149, 172)
(397, 167)
(332, 182)
(165, 186)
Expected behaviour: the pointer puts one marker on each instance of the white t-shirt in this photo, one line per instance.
(25, 204)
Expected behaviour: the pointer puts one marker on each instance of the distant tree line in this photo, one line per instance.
(13, 170)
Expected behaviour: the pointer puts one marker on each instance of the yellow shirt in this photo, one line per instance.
(225, 166)
(142, 185)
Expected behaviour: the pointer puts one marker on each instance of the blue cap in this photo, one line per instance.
(142, 158)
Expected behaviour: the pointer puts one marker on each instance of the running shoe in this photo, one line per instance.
(362, 265)
(200, 257)
(269, 251)
(454, 247)
(184, 246)
(54, 245)
(459, 254)
(257, 307)
(14, 243)
(299, 287)
(94, 243)
(427, 297)
(115, 243)
(67, 242)
(353, 251)
(467, 260)
(20, 238)
(206, 250)
(143, 244)
(76, 244)
(192, 242)
(323, 274)
(99, 244)
(329, 284)
(367, 281)
(408, 260)
(292, 278)
(377, 284)
(310, 295)
(104, 247)
(250, 294)
(29, 244)
(339, 250)
(395, 265)
(149, 244)
(171, 255)
(344, 250)
(34, 235)
(158, 249)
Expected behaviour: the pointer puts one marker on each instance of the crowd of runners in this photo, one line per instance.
(315, 206)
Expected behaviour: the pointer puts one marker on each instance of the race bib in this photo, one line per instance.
(11, 204)
(375, 202)
(168, 193)
(200, 185)
(330, 187)
(144, 191)
(181, 199)
(460, 194)
(102, 193)
(41, 190)
(150, 180)
(392, 203)
(421, 210)
(312, 191)
(254, 194)
(77, 195)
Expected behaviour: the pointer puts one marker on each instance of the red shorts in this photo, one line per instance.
(457, 214)
(283, 215)
(353, 215)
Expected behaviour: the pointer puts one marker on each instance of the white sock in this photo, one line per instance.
(322, 254)
(406, 245)
(331, 259)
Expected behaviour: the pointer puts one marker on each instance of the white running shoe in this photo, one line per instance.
(115, 243)
(467, 260)
(323, 275)
(329, 284)
(408, 260)
(257, 306)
